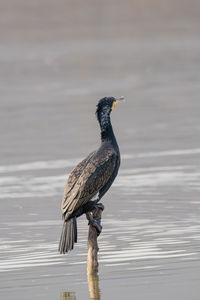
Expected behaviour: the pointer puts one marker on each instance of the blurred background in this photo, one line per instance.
(57, 59)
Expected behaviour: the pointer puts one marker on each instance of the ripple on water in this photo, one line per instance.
(131, 241)
(122, 243)
(130, 181)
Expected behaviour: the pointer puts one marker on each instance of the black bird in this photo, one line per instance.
(91, 179)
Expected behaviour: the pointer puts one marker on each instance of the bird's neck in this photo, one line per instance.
(107, 134)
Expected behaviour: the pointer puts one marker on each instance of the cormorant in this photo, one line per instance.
(91, 179)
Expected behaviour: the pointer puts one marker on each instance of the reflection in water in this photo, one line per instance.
(93, 286)
(67, 296)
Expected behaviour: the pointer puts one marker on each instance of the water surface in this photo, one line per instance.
(57, 59)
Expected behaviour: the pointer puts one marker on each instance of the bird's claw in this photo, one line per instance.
(100, 206)
(97, 206)
(97, 225)
(95, 222)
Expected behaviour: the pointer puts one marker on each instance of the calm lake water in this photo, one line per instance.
(57, 59)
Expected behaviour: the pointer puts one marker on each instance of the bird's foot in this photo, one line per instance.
(94, 221)
(95, 208)
(97, 225)
(100, 206)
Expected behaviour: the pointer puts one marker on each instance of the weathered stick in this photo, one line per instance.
(92, 260)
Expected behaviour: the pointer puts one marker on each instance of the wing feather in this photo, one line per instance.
(94, 175)
(75, 174)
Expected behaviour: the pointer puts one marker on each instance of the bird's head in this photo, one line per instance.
(106, 105)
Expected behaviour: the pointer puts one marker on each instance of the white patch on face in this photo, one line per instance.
(95, 197)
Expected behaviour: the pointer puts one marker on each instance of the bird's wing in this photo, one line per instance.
(99, 168)
(75, 174)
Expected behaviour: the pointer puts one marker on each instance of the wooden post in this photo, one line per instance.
(92, 260)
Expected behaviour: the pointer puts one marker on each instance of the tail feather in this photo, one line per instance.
(75, 231)
(68, 236)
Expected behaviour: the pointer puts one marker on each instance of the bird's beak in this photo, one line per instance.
(117, 100)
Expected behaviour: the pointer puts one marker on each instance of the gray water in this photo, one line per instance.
(57, 58)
